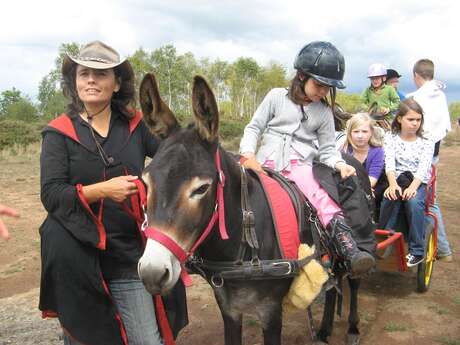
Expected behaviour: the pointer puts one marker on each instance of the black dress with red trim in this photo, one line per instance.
(83, 245)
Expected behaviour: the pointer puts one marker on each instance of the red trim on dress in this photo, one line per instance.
(124, 337)
(135, 121)
(48, 313)
(97, 220)
(64, 124)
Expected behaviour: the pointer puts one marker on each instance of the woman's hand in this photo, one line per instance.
(119, 188)
(345, 170)
(393, 192)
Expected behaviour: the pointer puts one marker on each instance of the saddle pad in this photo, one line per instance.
(284, 217)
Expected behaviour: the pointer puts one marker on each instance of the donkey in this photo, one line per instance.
(185, 190)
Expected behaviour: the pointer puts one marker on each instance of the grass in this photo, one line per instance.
(453, 137)
(251, 322)
(20, 151)
(456, 300)
(439, 310)
(368, 317)
(449, 341)
(395, 327)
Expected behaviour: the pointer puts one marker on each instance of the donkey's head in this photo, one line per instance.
(181, 179)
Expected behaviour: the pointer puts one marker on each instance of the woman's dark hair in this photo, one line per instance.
(404, 107)
(122, 100)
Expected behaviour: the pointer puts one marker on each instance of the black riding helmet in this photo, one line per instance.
(391, 73)
(322, 61)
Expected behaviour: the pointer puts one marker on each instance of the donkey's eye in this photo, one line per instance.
(200, 191)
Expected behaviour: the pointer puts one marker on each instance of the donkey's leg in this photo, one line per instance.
(270, 316)
(232, 328)
(353, 317)
(232, 317)
(328, 317)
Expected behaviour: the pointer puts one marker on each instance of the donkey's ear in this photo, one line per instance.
(205, 109)
(157, 115)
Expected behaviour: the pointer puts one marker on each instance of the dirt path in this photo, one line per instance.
(391, 311)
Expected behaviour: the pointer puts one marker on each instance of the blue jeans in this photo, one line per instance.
(415, 213)
(443, 243)
(136, 308)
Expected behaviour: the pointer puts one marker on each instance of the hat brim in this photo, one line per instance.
(70, 61)
(329, 81)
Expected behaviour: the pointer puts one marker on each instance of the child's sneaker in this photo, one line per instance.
(414, 260)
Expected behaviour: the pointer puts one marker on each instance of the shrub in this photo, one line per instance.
(19, 132)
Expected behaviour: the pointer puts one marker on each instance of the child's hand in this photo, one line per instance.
(252, 163)
(409, 193)
(6, 211)
(393, 192)
(345, 170)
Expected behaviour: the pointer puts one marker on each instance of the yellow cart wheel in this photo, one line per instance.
(425, 269)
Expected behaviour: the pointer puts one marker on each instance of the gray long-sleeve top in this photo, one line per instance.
(284, 129)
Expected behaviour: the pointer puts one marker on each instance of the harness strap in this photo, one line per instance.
(248, 234)
(253, 270)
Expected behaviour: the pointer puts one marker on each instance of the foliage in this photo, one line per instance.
(14, 105)
(50, 97)
(23, 110)
(454, 109)
(7, 98)
(13, 131)
(239, 87)
(349, 102)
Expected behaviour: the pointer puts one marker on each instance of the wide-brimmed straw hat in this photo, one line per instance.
(96, 55)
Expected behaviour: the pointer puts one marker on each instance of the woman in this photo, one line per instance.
(363, 144)
(288, 122)
(91, 157)
(408, 158)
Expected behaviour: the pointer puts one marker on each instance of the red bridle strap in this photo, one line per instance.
(173, 247)
(220, 198)
(168, 242)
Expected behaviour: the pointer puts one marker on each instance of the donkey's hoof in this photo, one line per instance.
(353, 339)
(319, 342)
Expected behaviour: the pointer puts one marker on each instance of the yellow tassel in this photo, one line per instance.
(307, 285)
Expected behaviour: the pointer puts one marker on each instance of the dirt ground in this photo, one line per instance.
(390, 309)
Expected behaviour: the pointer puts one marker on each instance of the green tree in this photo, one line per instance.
(219, 72)
(23, 109)
(50, 98)
(350, 102)
(142, 64)
(7, 98)
(174, 75)
(454, 110)
(242, 81)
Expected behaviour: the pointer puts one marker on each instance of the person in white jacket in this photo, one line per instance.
(431, 97)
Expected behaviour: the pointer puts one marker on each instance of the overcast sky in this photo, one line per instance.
(394, 32)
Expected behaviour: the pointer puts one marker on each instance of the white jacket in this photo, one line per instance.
(432, 99)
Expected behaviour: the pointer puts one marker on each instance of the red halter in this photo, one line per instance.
(219, 213)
